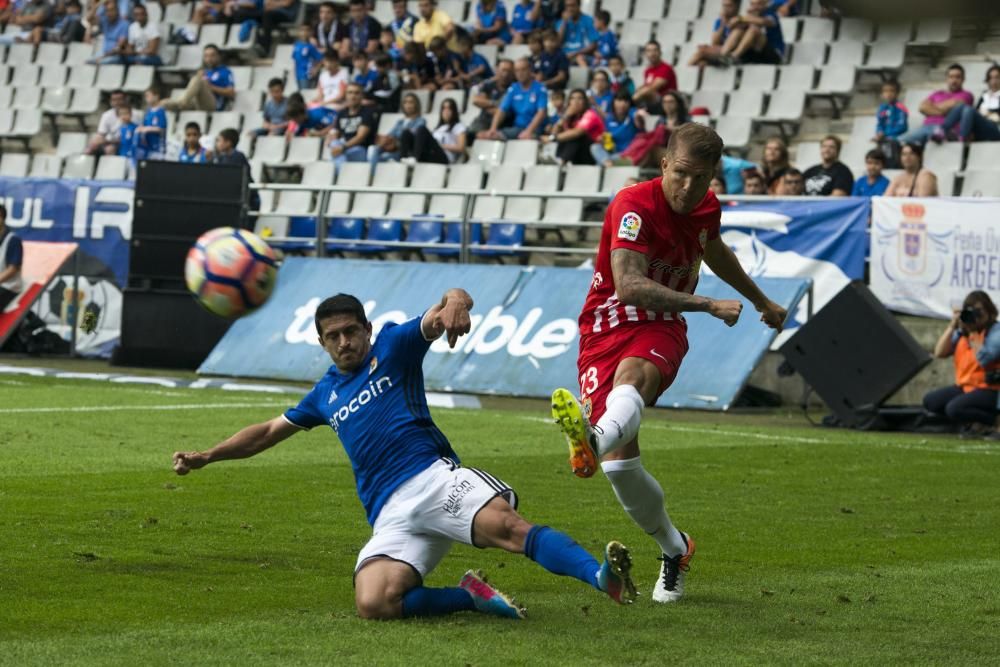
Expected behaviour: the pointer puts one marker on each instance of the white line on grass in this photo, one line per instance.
(143, 408)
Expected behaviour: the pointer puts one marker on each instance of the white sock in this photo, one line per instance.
(619, 425)
(642, 498)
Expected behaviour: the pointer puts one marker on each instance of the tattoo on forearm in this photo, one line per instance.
(635, 288)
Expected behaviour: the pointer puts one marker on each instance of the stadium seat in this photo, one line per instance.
(189, 58)
(713, 100)
(943, 157)
(456, 9)
(635, 31)
(980, 184)
(464, 176)
(983, 156)
(248, 102)
(453, 234)
(405, 206)
(354, 174)
(14, 165)
(20, 54)
(81, 76)
(795, 78)
(486, 153)
(563, 210)
(220, 120)
(786, 106)
(242, 77)
(487, 208)
(818, 30)
(53, 76)
(447, 206)
(6, 95)
(807, 154)
(541, 178)
(746, 103)
(836, 84)
(912, 99)
(85, 101)
(27, 124)
(431, 176)
(507, 234)
(50, 53)
(71, 143)
(582, 179)
(899, 33)
(384, 231)
(233, 42)
(672, 32)
(855, 30)
(109, 77)
(648, 10)
(185, 117)
(45, 166)
(946, 183)
(27, 97)
(522, 209)
(212, 33)
(425, 231)
(302, 150)
(521, 153)
(687, 78)
(735, 131)
(77, 53)
(4, 73)
(579, 77)
(25, 76)
(177, 13)
(78, 166)
(488, 51)
(863, 127)
(758, 77)
(789, 28)
(390, 174)
(716, 78)
(515, 51)
(111, 168)
(440, 96)
(138, 79)
(505, 177)
(812, 54)
(268, 149)
(852, 153)
(294, 202)
(6, 120)
(614, 178)
(56, 100)
(933, 31)
(342, 232)
(847, 53)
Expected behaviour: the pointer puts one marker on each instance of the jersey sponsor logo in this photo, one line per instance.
(363, 398)
(629, 227)
(453, 503)
(333, 397)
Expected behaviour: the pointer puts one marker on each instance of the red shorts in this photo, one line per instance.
(662, 343)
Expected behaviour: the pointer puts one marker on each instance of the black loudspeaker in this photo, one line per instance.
(854, 354)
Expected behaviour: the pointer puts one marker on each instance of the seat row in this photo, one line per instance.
(105, 168)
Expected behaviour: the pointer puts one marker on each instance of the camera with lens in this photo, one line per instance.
(969, 315)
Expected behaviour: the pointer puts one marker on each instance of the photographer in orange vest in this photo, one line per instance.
(974, 339)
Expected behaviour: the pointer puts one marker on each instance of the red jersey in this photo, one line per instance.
(640, 219)
(661, 71)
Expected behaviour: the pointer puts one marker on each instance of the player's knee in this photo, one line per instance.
(375, 607)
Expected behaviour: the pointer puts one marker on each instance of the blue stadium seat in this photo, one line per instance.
(503, 234)
(425, 231)
(453, 234)
(343, 231)
(304, 227)
(383, 230)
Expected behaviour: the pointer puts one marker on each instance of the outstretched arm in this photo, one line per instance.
(246, 443)
(450, 316)
(723, 262)
(635, 288)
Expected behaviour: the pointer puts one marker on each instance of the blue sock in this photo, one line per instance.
(422, 601)
(559, 554)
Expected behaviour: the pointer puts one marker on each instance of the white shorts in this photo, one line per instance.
(429, 512)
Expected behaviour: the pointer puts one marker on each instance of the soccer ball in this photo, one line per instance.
(230, 271)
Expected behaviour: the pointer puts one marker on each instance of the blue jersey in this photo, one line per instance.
(126, 140)
(579, 34)
(607, 45)
(622, 131)
(477, 60)
(198, 157)
(318, 118)
(523, 104)
(550, 64)
(775, 39)
(220, 77)
(862, 188)
(520, 21)
(489, 19)
(153, 141)
(892, 119)
(602, 102)
(380, 414)
(305, 56)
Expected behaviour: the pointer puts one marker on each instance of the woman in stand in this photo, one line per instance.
(386, 146)
(914, 181)
(446, 145)
(579, 127)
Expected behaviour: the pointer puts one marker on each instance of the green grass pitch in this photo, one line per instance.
(814, 546)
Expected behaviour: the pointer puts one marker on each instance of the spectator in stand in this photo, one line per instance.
(359, 33)
(192, 152)
(210, 89)
(67, 28)
(126, 133)
(275, 12)
(938, 104)
(28, 16)
(142, 46)
(490, 26)
(979, 123)
(734, 171)
(674, 110)
(892, 118)
(402, 23)
(151, 136)
(599, 93)
(225, 153)
(973, 339)
(711, 53)
(387, 45)
(775, 162)
(753, 183)
(354, 130)
(785, 7)
(305, 122)
(433, 23)
(11, 260)
(324, 36)
(525, 101)
(275, 110)
(475, 67)
(386, 146)
(208, 11)
(831, 177)
(552, 66)
(536, 47)
(792, 184)
(914, 180)
(416, 68)
(618, 76)
(332, 83)
(385, 89)
(755, 37)
(873, 183)
(718, 185)
(658, 78)
(524, 21)
(446, 65)
(579, 128)
(607, 43)
(105, 140)
(446, 145)
(307, 58)
(113, 30)
(362, 73)
(487, 98)
(577, 34)
(621, 125)
(554, 110)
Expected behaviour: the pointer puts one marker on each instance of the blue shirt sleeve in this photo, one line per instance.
(990, 351)
(15, 252)
(543, 98)
(589, 31)
(506, 104)
(305, 415)
(407, 338)
(858, 189)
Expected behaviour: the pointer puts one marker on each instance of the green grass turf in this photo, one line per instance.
(814, 546)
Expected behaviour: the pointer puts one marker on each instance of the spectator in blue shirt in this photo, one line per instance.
(599, 93)
(607, 43)
(307, 58)
(618, 76)
(475, 68)
(734, 172)
(555, 109)
(755, 37)
(621, 127)
(11, 259)
(151, 136)
(386, 146)
(446, 64)
(785, 7)
(402, 23)
(873, 183)
(524, 21)
(114, 34)
(303, 122)
(526, 100)
(552, 65)
(491, 23)
(577, 33)
(361, 71)
(275, 110)
(892, 117)
(126, 133)
(192, 152)
(210, 89)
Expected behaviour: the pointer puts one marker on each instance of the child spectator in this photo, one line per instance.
(416, 69)
(718, 185)
(361, 72)
(491, 23)
(553, 65)
(607, 43)
(579, 128)
(275, 110)
(192, 152)
(524, 21)
(126, 133)
(873, 183)
(105, 140)
(332, 83)
(535, 49)
(618, 76)
(892, 121)
(151, 135)
(599, 93)
(303, 122)
(388, 46)
(447, 66)
(307, 58)
(554, 110)
(621, 126)
(385, 89)
(475, 68)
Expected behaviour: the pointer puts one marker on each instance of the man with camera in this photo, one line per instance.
(973, 339)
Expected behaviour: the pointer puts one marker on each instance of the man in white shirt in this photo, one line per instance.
(143, 46)
(105, 140)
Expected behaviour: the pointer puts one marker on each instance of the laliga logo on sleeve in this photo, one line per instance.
(629, 227)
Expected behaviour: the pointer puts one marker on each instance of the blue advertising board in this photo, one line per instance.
(524, 333)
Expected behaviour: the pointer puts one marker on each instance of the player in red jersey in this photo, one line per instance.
(633, 336)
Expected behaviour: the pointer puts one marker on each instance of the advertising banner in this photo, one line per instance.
(96, 215)
(41, 262)
(927, 254)
(524, 333)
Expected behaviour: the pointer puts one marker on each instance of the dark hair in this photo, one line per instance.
(582, 93)
(330, 5)
(593, 75)
(835, 139)
(893, 83)
(876, 155)
(296, 98)
(276, 82)
(192, 126)
(682, 107)
(155, 89)
(501, 61)
(702, 142)
(116, 91)
(751, 174)
(353, 3)
(295, 109)
(416, 99)
(981, 298)
(141, 6)
(603, 15)
(992, 67)
(230, 135)
(616, 57)
(330, 54)
(718, 177)
(958, 67)
(3, 212)
(437, 43)
(73, 3)
(211, 46)
(654, 43)
(383, 60)
(917, 149)
(455, 115)
(340, 304)
(792, 171)
(623, 95)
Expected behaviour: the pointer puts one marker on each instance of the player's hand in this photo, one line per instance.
(727, 310)
(773, 315)
(185, 462)
(454, 319)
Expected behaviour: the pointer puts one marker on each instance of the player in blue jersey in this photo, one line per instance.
(418, 498)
